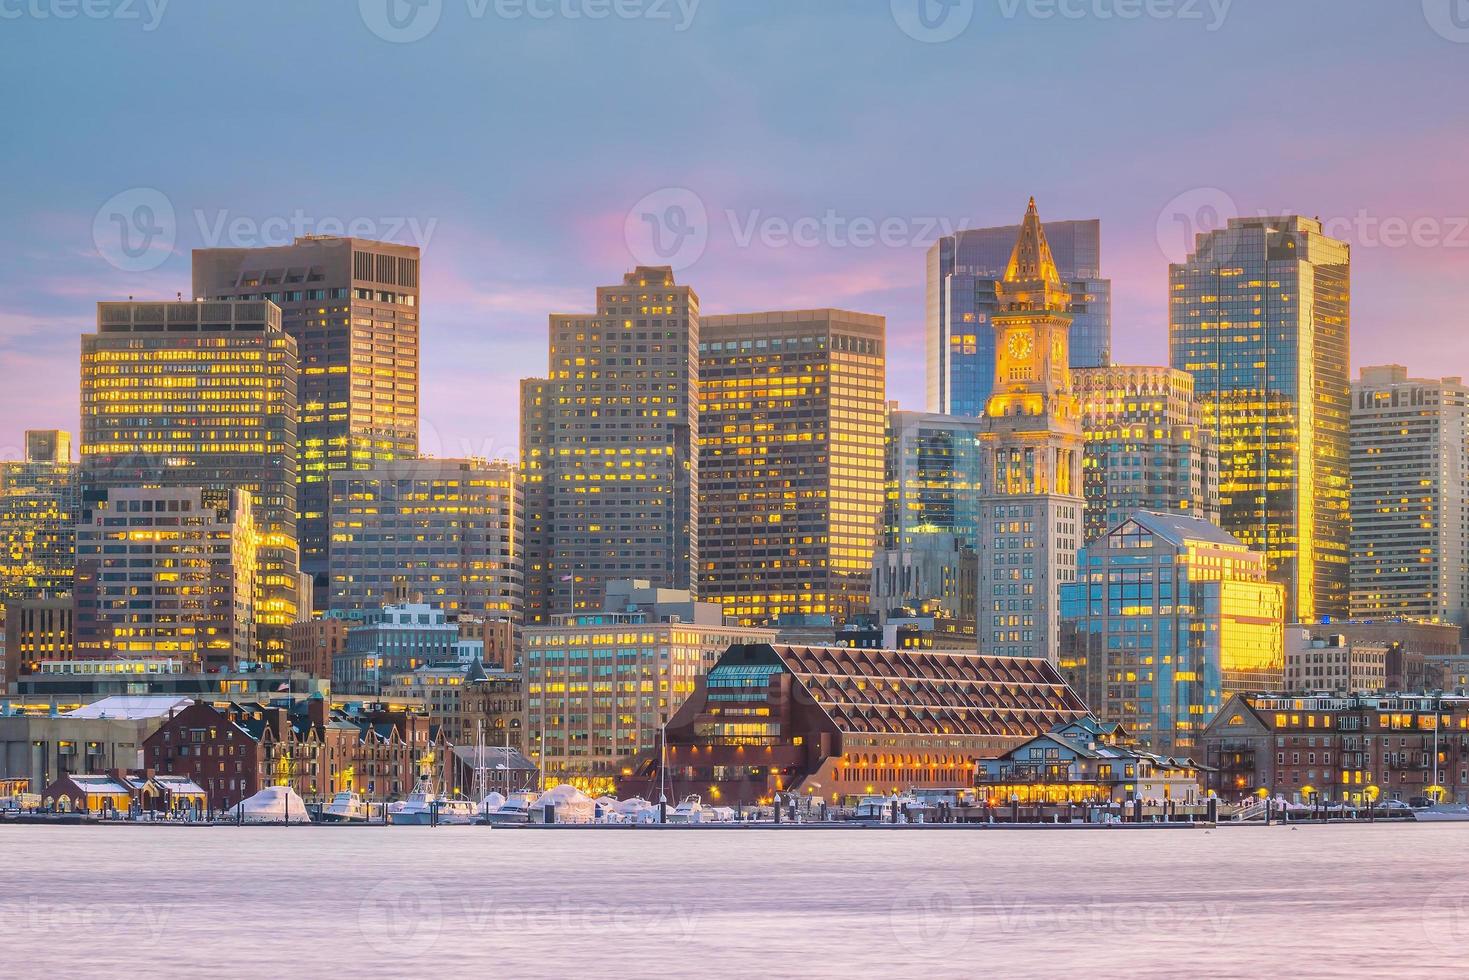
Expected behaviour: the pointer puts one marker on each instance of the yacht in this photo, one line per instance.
(419, 809)
(345, 807)
(690, 810)
(1442, 813)
(515, 809)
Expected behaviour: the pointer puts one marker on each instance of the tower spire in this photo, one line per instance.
(1032, 260)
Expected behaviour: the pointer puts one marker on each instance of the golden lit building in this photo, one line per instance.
(1167, 618)
(1145, 446)
(201, 395)
(1259, 314)
(39, 502)
(168, 571)
(792, 416)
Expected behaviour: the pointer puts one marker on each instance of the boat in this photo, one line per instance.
(515, 809)
(345, 807)
(689, 810)
(1442, 813)
(872, 808)
(424, 806)
(273, 804)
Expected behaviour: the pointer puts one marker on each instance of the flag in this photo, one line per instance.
(285, 686)
(567, 578)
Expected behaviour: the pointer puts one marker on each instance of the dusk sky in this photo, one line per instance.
(825, 144)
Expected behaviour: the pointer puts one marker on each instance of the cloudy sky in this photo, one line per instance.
(789, 153)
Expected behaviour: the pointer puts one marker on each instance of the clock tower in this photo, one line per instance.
(1031, 506)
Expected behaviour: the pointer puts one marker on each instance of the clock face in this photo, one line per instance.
(1020, 345)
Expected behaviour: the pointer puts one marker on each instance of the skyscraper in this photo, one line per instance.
(1410, 498)
(964, 270)
(1145, 446)
(1259, 314)
(610, 447)
(441, 528)
(39, 508)
(1030, 515)
(790, 462)
(351, 306)
(201, 395)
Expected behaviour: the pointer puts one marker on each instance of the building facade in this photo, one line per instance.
(316, 643)
(37, 630)
(168, 571)
(964, 272)
(1259, 314)
(444, 528)
(201, 395)
(351, 306)
(1168, 617)
(610, 447)
(790, 462)
(1031, 509)
(39, 509)
(393, 640)
(1410, 497)
(1145, 446)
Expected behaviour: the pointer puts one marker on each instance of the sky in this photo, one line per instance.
(779, 153)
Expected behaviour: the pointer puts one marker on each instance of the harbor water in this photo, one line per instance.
(1311, 901)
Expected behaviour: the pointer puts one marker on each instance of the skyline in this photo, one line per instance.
(513, 232)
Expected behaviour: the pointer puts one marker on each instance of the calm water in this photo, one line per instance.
(1372, 902)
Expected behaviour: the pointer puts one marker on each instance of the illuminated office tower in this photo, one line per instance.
(201, 395)
(930, 526)
(964, 272)
(168, 571)
(1168, 617)
(1410, 512)
(610, 447)
(1031, 510)
(352, 306)
(1259, 314)
(39, 507)
(1145, 446)
(790, 462)
(443, 529)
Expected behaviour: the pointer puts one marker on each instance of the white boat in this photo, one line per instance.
(567, 805)
(515, 809)
(872, 808)
(1442, 813)
(689, 810)
(273, 804)
(424, 806)
(345, 807)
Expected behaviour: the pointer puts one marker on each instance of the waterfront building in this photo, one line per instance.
(37, 630)
(1168, 617)
(1145, 447)
(964, 272)
(41, 748)
(790, 461)
(1085, 761)
(63, 685)
(1340, 748)
(1259, 314)
(390, 640)
(473, 704)
(600, 685)
(316, 643)
(1031, 508)
(610, 448)
(1410, 497)
(167, 570)
(39, 508)
(204, 395)
(351, 307)
(1319, 661)
(835, 722)
(444, 528)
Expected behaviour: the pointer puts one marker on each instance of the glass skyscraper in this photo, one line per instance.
(1259, 314)
(963, 270)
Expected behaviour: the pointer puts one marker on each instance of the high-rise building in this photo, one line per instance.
(204, 395)
(444, 528)
(930, 528)
(351, 305)
(1169, 617)
(1145, 446)
(610, 447)
(168, 571)
(964, 273)
(1259, 314)
(1410, 497)
(1031, 511)
(39, 505)
(790, 462)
